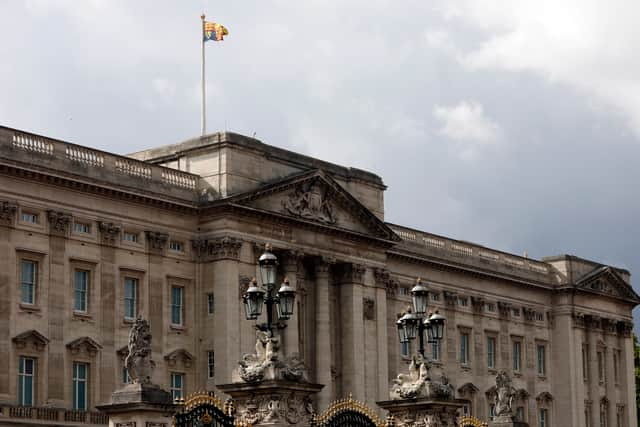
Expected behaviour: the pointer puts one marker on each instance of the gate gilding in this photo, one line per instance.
(347, 412)
(469, 421)
(204, 409)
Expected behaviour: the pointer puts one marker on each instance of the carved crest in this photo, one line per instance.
(310, 201)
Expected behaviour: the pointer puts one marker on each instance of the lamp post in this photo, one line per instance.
(255, 297)
(414, 323)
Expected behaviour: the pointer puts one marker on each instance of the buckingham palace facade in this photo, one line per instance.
(89, 240)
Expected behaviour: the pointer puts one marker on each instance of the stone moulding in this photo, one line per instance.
(38, 340)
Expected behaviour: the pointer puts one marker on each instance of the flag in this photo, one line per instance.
(214, 31)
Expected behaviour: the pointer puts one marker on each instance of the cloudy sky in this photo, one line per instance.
(514, 124)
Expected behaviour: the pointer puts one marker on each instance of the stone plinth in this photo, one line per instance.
(507, 421)
(138, 405)
(274, 403)
(423, 411)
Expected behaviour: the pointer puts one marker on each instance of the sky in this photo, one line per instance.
(512, 124)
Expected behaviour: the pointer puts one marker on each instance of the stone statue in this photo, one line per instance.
(138, 362)
(309, 202)
(267, 364)
(504, 395)
(417, 383)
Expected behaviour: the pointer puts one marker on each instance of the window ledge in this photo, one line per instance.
(82, 315)
(492, 371)
(179, 328)
(542, 377)
(128, 321)
(517, 374)
(29, 307)
(465, 368)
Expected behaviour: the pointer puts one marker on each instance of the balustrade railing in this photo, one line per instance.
(60, 416)
(459, 249)
(144, 175)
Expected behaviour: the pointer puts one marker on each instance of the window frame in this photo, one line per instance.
(211, 364)
(23, 376)
(176, 246)
(34, 284)
(211, 303)
(179, 306)
(173, 389)
(541, 365)
(87, 290)
(24, 213)
(136, 296)
(516, 362)
(75, 384)
(491, 356)
(436, 350)
(543, 417)
(464, 338)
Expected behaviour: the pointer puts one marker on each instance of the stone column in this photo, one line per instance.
(108, 361)
(352, 331)
(156, 243)
(608, 328)
(627, 383)
(449, 360)
(7, 218)
(58, 229)
(593, 383)
(323, 345)
(382, 371)
(292, 265)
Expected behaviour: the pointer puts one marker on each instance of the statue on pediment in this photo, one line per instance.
(310, 202)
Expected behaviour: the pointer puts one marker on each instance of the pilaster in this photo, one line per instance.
(324, 350)
(294, 271)
(7, 218)
(156, 244)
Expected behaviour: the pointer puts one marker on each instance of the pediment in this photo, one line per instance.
(605, 280)
(84, 344)
(544, 397)
(315, 197)
(468, 389)
(32, 337)
(179, 354)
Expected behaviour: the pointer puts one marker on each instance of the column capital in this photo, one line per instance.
(217, 248)
(322, 265)
(353, 273)
(156, 241)
(7, 212)
(58, 222)
(109, 232)
(292, 260)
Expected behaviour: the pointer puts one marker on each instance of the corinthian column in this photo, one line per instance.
(323, 354)
(292, 264)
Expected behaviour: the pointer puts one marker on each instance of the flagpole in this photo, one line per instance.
(204, 104)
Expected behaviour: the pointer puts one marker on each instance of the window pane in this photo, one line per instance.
(28, 280)
(176, 305)
(81, 285)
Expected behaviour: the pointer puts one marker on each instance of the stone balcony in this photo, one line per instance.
(36, 153)
(471, 256)
(27, 415)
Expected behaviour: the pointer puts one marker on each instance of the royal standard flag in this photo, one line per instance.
(214, 31)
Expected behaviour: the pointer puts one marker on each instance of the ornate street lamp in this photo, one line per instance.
(414, 324)
(255, 297)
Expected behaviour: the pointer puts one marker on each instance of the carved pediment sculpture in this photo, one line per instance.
(32, 337)
(310, 201)
(84, 344)
(606, 280)
(179, 354)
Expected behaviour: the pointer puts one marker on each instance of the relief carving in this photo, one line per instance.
(309, 201)
(156, 241)
(368, 308)
(292, 409)
(418, 383)
(58, 222)
(109, 232)
(7, 212)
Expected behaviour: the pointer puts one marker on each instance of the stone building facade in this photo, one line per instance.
(89, 240)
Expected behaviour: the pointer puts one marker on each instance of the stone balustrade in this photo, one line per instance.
(468, 253)
(59, 416)
(30, 149)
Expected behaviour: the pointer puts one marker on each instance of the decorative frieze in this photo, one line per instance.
(7, 212)
(156, 241)
(477, 303)
(216, 249)
(450, 298)
(109, 232)
(58, 222)
(504, 308)
(368, 308)
(602, 324)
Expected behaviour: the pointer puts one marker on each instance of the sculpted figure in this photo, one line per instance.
(505, 393)
(138, 362)
(407, 386)
(267, 363)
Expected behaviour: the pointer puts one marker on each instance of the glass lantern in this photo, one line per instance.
(410, 325)
(420, 297)
(285, 301)
(253, 300)
(268, 266)
(402, 334)
(437, 325)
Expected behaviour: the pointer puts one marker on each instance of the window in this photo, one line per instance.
(29, 217)
(210, 364)
(517, 356)
(491, 352)
(544, 417)
(585, 363)
(404, 349)
(466, 409)
(176, 305)
(210, 303)
(130, 297)
(616, 366)
(28, 276)
(26, 372)
(130, 237)
(403, 291)
(463, 302)
(490, 307)
(516, 312)
(176, 246)
(539, 316)
(435, 350)
(464, 348)
(601, 367)
(435, 296)
(80, 288)
(177, 385)
(587, 413)
(620, 416)
(80, 379)
(81, 227)
(520, 413)
(126, 378)
(604, 419)
(492, 411)
(541, 351)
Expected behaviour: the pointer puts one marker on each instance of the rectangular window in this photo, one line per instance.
(517, 356)
(404, 349)
(516, 312)
(492, 411)
(620, 416)
(210, 303)
(603, 415)
(29, 217)
(587, 413)
(81, 289)
(176, 246)
(490, 307)
(130, 237)
(491, 352)
(28, 275)
(435, 296)
(464, 348)
(466, 409)
(601, 367)
(126, 378)
(81, 227)
(177, 385)
(463, 302)
(26, 372)
(539, 316)
(435, 350)
(80, 387)
(403, 291)
(176, 304)
(210, 363)
(616, 366)
(544, 417)
(541, 350)
(585, 363)
(520, 413)
(130, 297)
